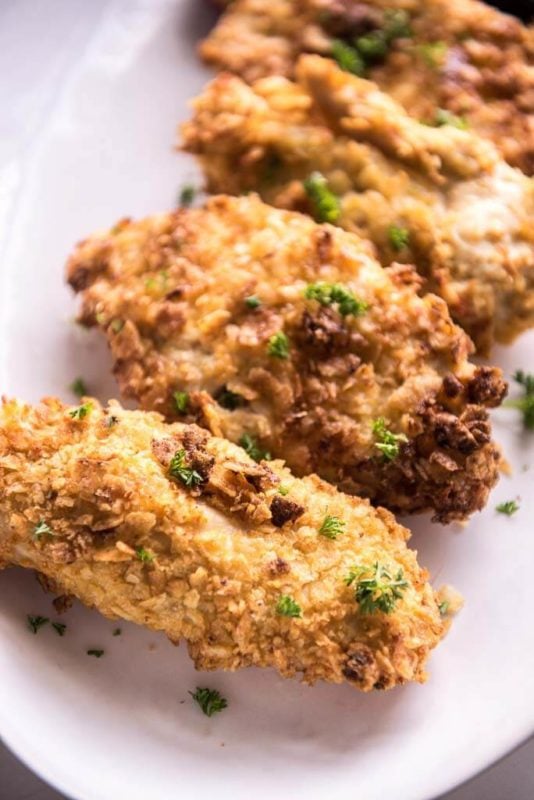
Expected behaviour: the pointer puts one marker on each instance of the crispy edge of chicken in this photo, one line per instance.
(304, 378)
(462, 55)
(209, 562)
(467, 213)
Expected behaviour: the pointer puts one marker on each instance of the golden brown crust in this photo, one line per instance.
(214, 567)
(468, 214)
(170, 293)
(462, 55)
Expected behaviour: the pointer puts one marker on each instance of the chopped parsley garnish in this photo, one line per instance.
(178, 469)
(375, 588)
(252, 301)
(81, 411)
(347, 57)
(287, 607)
(444, 117)
(433, 53)
(117, 325)
(329, 293)
(386, 441)
(399, 238)
(250, 446)
(111, 421)
(283, 490)
(95, 652)
(78, 387)
(42, 529)
(210, 701)
(372, 46)
(117, 632)
(331, 527)
(443, 607)
(509, 507)
(396, 24)
(144, 555)
(187, 195)
(228, 399)
(325, 204)
(278, 345)
(59, 628)
(36, 622)
(525, 404)
(181, 402)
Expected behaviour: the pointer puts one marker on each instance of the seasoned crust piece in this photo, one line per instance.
(215, 565)
(468, 214)
(171, 293)
(458, 55)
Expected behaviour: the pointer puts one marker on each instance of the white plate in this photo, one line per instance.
(95, 91)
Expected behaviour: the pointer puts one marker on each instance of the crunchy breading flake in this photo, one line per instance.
(372, 349)
(461, 57)
(438, 197)
(218, 573)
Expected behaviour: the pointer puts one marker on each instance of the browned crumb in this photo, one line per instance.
(311, 381)
(106, 491)
(459, 55)
(438, 197)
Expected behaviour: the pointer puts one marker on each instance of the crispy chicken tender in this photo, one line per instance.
(467, 215)
(458, 55)
(209, 562)
(212, 302)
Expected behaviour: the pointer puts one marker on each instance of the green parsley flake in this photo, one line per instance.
(373, 46)
(287, 607)
(329, 293)
(181, 402)
(42, 529)
(396, 24)
(228, 399)
(324, 202)
(331, 527)
(347, 57)
(59, 628)
(283, 490)
(210, 701)
(111, 421)
(116, 325)
(36, 622)
(117, 632)
(433, 53)
(178, 469)
(144, 555)
(81, 411)
(443, 607)
(387, 442)
(78, 387)
(252, 301)
(278, 345)
(250, 446)
(524, 404)
(509, 507)
(375, 589)
(187, 195)
(444, 117)
(95, 652)
(399, 238)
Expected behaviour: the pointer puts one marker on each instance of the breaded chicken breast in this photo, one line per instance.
(182, 532)
(460, 56)
(439, 197)
(289, 337)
